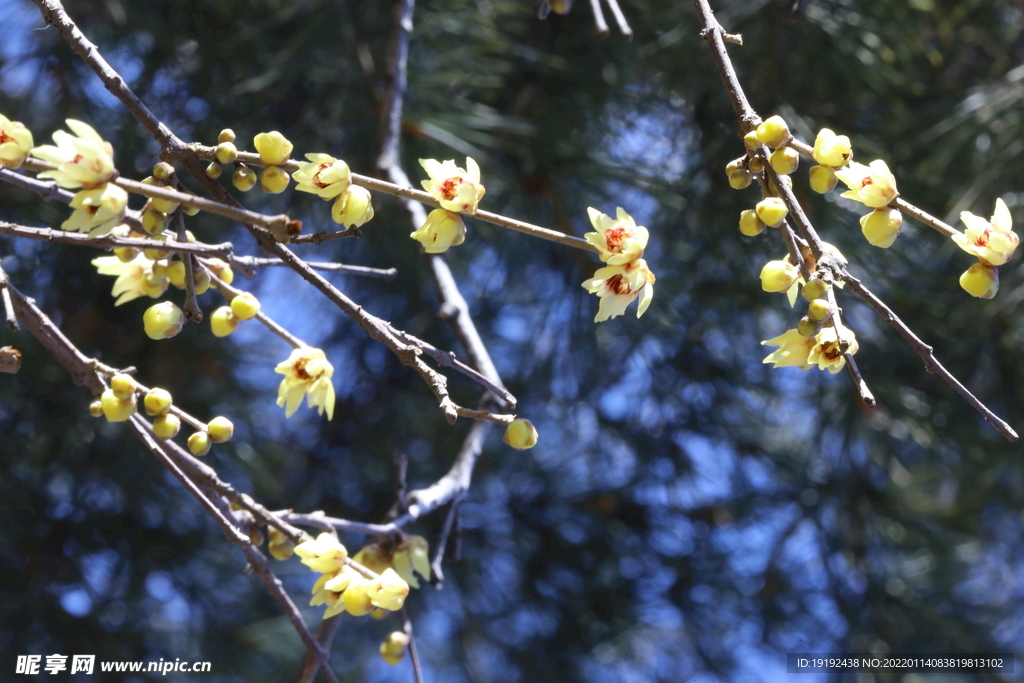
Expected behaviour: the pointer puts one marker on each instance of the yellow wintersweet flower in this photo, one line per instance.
(353, 207)
(779, 276)
(389, 591)
(392, 650)
(273, 147)
(981, 280)
(324, 554)
(134, 279)
(994, 241)
(794, 350)
(831, 149)
(323, 175)
(307, 373)
(618, 286)
(15, 142)
(873, 185)
(882, 226)
(455, 189)
(97, 210)
(82, 160)
(442, 229)
(827, 353)
(411, 558)
(619, 240)
(332, 597)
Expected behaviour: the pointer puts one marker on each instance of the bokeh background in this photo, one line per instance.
(690, 513)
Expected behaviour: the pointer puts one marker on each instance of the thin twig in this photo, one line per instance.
(253, 262)
(108, 242)
(321, 237)
(230, 293)
(931, 364)
(12, 319)
(320, 521)
(620, 19)
(600, 25)
(192, 310)
(436, 574)
(867, 399)
(414, 655)
(52, 192)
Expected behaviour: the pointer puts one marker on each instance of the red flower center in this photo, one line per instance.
(618, 285)
(614, 237)
(316, 176)
(450, 187)
(982, 239)
(4, 137)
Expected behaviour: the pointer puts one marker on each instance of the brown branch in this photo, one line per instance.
(324, 635)
(192, 310)
(931, 364)
(229, 293)
(252, 263)
(414, 655)
(108, 242)
(436, 574)
(321, 237)
(12, 319)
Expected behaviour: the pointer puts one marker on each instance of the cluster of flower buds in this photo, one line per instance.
(620, 243)
(307, 372)
(225, 319)
(344, 589)
(993, 242)
(457, 191)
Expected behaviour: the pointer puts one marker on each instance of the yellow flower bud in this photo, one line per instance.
(740, 180)
(981, 280)
(751, 141)
(750, 224)
(281, 550)
(166, 426)
(190, 210)
(176, 274)
(520, 434)
(122, 385)
(157, 401)
(220, 429)
(244, 179)
(392, 650)
(784, 160)
(126, 254)
(819, 310)
(201, 280)
(823, 179)
(163, 170)
(156, 254)
(755, 165)
(255, 535)
(245, 306)
(778, 276)
(815, 289)
(735, 166)
(807, 327)
(223, 322)
(772, 211)
(153, 286)
(274, 180)
(831, 149)
(441, 230)
(273, 147)
(159, 269)
(226, 135)
(154, 222)
(221, 269)
(226, 152)
(774, 132)
(96, 408)
(164, 206)
(117, 409)
(199, 443)
(881, 227)
(352, 207)
(163, 320)
(214, 170)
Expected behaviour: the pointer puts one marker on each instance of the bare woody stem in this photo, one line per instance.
(252, 263)
(192, 310)
(108, 242)
(230, 293)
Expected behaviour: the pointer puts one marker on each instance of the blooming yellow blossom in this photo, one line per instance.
(618, 286)
(307, 373)
(441, 230)
(411, 558)
(322, 175)
(97, 210)
(273, 147)
(389, 591)
(831, 149)
(794, 350)
(15, 142)
(455, 189)
(324, 554)
(981, 280)
(827, 351)
(619, 240)
(994, 241)
(134, 279)
(873, 185)
(82, 160)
